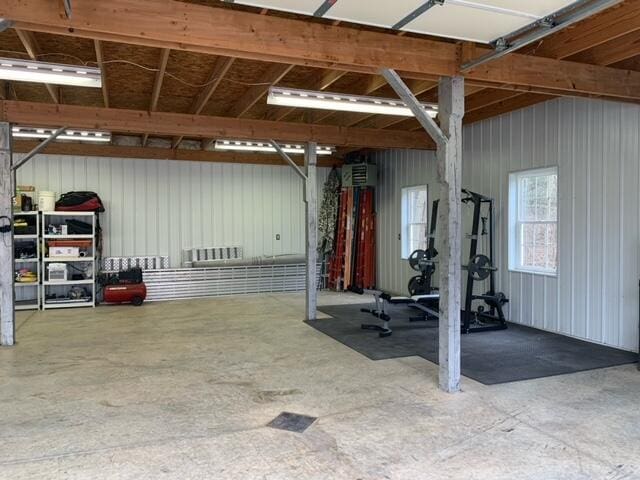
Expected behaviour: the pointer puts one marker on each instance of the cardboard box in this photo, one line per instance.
(64, 252)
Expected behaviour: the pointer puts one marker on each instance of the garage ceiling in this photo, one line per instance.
(475, 20)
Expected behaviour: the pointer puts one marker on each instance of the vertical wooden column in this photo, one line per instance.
(7, 298)
(451, 111)
(311, 224)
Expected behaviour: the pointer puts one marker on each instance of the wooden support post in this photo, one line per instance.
(7, 299)
(451, 111)
(311, 223)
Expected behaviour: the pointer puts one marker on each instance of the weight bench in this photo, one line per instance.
(382, 299)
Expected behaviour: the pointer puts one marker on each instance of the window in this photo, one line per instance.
(533, 221)
(414, 219)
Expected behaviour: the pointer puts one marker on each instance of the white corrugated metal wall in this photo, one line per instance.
(595, 145)
(159, 207)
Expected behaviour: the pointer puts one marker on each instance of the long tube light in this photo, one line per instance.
(266, 147)
(70, 134)
(291, 97)
(53, 73)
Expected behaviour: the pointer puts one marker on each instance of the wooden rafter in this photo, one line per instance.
(33, 50)
(491, 102)
(157, 86)
(589, 42)
(100, 60)
(274, 74)
(220, 69)
(186, 26)
(155, 153)
(203, 126)
(589, 33)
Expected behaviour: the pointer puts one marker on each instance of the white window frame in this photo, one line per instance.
(515, 240)
(405, 225)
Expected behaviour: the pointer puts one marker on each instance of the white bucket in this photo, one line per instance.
(47, 201)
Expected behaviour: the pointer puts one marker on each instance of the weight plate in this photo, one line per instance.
(480, 267)
(416, 286)
(416, 258)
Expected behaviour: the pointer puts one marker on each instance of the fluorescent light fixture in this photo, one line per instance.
(53, 73)
(266, 147)
(291, 97)
(70, 134)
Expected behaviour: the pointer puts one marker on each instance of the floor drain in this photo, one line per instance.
(292, 422)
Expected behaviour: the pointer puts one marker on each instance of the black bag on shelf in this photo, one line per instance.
(76, 227)
(80, 202)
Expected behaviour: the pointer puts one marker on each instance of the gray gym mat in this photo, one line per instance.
(518, 353)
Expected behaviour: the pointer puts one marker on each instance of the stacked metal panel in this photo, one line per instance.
(218, 281)
(116, 264)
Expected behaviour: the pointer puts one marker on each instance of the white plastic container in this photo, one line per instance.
(57, 272)
(47, 201)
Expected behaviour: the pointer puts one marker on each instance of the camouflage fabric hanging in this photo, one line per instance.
(328, 215)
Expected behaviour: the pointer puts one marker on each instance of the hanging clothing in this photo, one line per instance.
(328, 215)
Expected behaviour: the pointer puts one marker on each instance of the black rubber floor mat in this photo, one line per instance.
(292, 422)
(518, 353)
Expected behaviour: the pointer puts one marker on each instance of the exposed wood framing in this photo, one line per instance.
(448, 137)
(185, 26)
(275, 73)
(451, 111)
(611, 33)
(100, 60)
(220, 69)
(203, 126)
(155, 153)
(157, 86)
(7, 297)
(33, 50)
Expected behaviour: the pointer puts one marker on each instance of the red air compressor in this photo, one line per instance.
(124, 287)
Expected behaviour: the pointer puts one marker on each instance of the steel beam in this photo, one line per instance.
(414, 104)
(311, 224)
(7, 297)
(324, 8)
(287, 159)
(566, 17)
(38, 148)
(417, 12)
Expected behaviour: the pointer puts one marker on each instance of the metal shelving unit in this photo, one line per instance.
(28, 293)
(82, 265)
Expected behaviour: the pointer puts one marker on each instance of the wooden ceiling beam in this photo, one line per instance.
(220, 69)
(103, 74)
(33, 50)
(193, 27)
(612, 52)
(609, 53)
(157, 85)
(155, 153)
(602, 28)
(203, 126)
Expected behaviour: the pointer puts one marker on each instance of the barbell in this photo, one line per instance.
(479, 266)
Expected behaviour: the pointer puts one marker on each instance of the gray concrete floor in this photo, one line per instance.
(183, 390)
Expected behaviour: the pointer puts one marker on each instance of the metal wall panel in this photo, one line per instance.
(595, 145)
(160, 207)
